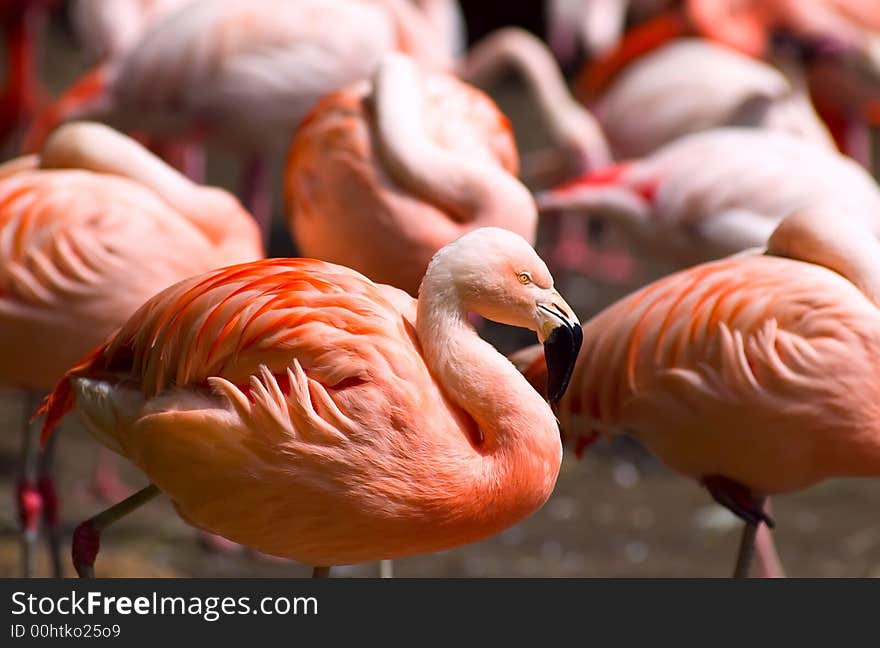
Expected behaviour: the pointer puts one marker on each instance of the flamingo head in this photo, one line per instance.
(498, 275)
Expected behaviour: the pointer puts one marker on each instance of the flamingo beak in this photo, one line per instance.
(561, 333)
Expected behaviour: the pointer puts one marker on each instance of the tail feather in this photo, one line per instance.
(57, 404)
(75, 103)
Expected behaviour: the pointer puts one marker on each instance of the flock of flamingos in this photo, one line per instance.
(342, 407)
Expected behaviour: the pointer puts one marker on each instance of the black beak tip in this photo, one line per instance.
(561, 350)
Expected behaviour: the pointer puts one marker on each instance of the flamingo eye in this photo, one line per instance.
(524, 278)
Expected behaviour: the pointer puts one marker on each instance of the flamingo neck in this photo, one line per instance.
(570, 124)
(102, 150)
(468, 190)
(520, 436)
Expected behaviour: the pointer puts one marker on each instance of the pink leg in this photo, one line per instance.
(767, 562)
(29, 501)
(49, 495)
(255, 194)
(572, 252)
(106, 484)
(185, 156)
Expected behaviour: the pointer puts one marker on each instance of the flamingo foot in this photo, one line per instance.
(86, 544)
(87, 536)
(738, 499)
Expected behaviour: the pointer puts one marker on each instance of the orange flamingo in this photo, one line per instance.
(754, 374)
(89, 230)
(243, 74)
(327, 419)
(381, 175)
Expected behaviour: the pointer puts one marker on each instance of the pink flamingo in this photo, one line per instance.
(243, 73)
(332, 420)
(382, 174)
(90, 229)
(754, 375)
(715, 193)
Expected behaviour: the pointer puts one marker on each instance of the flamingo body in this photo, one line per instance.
(239, 71)
(757, 368)
(692, 85)
(83, 245)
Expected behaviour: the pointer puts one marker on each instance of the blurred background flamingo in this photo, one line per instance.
(243, 74)
(712, 194)
(383, 174)
(91, 228)
(753, 375)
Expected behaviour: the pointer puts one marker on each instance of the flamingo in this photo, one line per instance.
(383, 174)
(90, 229)
(715, 193)
(22, 23)
(835, 46)
(754, 374)
(294, 406)
(243, 74)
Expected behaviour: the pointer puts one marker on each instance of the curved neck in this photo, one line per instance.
(825, 238)
(519, 430)
(468, 190)
(100, 149)
(570, 125)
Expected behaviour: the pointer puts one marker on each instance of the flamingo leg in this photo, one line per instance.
(49, 496)
(255, 194)
(386, 569)
(106, 484)
(28, 500)
(767, 560)
(746, 551)
(321, 572)
(87, 536)
(748, 507)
